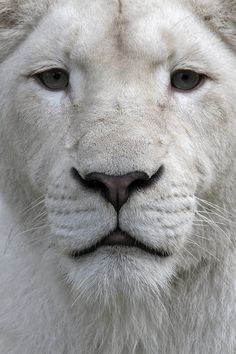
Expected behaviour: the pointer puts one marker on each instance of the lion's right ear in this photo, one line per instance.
(12, 26)
(8, 27)
(8, 13)
(17, 18)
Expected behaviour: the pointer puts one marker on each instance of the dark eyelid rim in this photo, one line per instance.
(46, 69)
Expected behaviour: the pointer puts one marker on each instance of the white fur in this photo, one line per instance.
(119, 115)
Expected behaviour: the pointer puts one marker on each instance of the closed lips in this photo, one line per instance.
(119, 238)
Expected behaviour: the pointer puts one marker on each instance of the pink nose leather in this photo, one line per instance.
(117, 188)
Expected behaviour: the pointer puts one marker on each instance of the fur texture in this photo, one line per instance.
(119, 115)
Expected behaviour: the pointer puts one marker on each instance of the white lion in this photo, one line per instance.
(118, 176)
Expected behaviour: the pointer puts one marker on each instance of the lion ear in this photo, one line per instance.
(17, 18)
(9, 31)
(224, 21)
(220, 15)
(8, 13)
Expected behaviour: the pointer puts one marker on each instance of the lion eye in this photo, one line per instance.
(54, 79)
(185, 79)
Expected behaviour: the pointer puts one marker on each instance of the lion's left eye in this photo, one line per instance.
(54, 79)
(185, 79)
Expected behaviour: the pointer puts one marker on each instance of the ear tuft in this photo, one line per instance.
(220, 15)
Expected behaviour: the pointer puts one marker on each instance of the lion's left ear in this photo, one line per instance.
(220, 15)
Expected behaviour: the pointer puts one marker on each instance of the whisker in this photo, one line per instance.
(39, 239)
(216, 227)
(201, 237)
(11, 236)
(30, 207)
(186, 250)
(205, 250)
(219, 209)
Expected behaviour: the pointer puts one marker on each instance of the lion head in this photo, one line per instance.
(121, 116)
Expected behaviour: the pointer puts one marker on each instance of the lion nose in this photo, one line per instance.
(116, 189)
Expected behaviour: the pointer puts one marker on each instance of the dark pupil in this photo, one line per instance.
(185, 77)
(56, 75)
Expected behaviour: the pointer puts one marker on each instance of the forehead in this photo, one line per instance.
(139, 28)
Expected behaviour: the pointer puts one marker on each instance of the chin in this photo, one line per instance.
(116, 273)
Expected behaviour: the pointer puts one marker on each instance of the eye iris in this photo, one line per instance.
(55, 79)
(185, 79)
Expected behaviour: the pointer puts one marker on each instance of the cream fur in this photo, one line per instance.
(118, 116)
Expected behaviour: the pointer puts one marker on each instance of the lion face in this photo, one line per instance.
(121, 115)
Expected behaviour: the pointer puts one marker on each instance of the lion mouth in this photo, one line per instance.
(120, 238)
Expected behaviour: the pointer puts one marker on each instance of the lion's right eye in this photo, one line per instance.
(54, 79)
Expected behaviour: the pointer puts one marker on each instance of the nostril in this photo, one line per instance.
(158, 174)
(87, 182)
(147, 181)
(75, 174)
